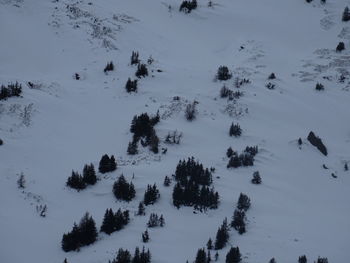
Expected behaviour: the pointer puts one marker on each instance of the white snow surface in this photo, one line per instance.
(298, 209)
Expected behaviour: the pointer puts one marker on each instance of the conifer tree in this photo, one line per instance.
(222, 236)
(132, 147)
(134, 58)
(201, 256)
(151, 195)
(243, 202)
(256, 178)
(238, 221)
(302, 259)
(108, 224)
(235, 130)
(141, 209)
(89, 174)
(346, 14)
(210, 244)
(233, 256)
(123, 190)
(145, 237)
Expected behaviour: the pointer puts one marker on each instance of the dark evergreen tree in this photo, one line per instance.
(190, 111)
(300, 142)
(132, 147)
(210, 244)
(346, 14)
(222, 236)
(319, 87)
(1, 142)
(155, 220)
(123, 256)
(141, 209)
(145, 256)
(76, 181)
(216, 256)
(21, 182)
(272, 76)
(108, 224)
(151, 195)
(238, 221)
(340, 47)
(89, 174)
(107, 164)
(317, 142)
(322, 260)
(302, 259)
(136, 258)
(256, 178)
(134, 60)
(145, 237)
(109, 67)
(121, 219)
(178, 195)
(153, 142)
(346, 167)
(234, 162)
(11, 90)
(123, 190)
(141, 71)
(188, 6)
(167, 181)
(201, 256)
(131, 85)
(230, 152)
(233, 256)
(243, 202)
(223, 73)
(235, 130)
(82, 235)
(272, 260)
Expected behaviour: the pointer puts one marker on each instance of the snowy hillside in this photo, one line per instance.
(70, 113)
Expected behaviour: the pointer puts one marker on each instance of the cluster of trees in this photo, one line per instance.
(239, 219)
(155, 220)
(123, 190)
(235, 130)
(131, 85)
(240, 82)
(173, 137)
(192, 187)
(124, 256)
(151, 195)
(188, 6)
(107, 164)
(317, 142)
(81, 235)
(114, 221)
(230, 94)
(223, 73)
(246, 158)
(142, 127)
(141, 71)
(80, 182)
(134, 59)
(109, 67)
(11, 90)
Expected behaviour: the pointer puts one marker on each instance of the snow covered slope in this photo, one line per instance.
(64, 123)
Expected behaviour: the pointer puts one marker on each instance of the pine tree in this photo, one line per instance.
(76, 181)
(223, 73)
(238, 221)
(235, 130)
(123, 190)
(134, 58)
(142, 71)
(256, 178)
(89, 174)
(201, 256)
(109, 67)
(300, 142)
(243, 202)
(141, 209)
(210, 244)
(302, 259)
(132, 147)
(346, 14)
(222, 236)
(123, 256)
(21, 182)
(346, 167)
(272, 76)
(322, 260)
(216, 256)
(151, 195)
(272, 260)
(167, 181)
(233, 256)
(161, 221)
(340, 47)
(190, 111)
(145, 237)
(107, 164)
(229, 152)
(108, 224)
(87, 230)
(131, 85)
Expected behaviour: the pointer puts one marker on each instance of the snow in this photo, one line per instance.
(299, 208)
